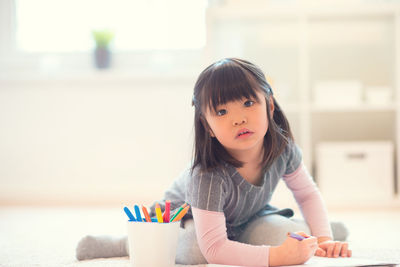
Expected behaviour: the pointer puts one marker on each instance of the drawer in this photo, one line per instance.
(356, 172)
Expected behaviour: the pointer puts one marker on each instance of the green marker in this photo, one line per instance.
(177, 212)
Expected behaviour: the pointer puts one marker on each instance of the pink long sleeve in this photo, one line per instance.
(309, 200)
(218, 249)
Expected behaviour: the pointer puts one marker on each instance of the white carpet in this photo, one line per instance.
(32, 236)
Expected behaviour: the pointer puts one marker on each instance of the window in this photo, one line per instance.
(66, 25)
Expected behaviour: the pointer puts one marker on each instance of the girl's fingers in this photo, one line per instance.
(310, 242)
(314, 246)
(338, 247)
(343, 252)
(329, 250)
(317, 253)
(320, 252)
(349, 253)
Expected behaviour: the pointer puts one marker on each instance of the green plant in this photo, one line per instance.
(103, 38)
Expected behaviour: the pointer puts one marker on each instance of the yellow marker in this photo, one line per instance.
(181, 214)
(158, 213)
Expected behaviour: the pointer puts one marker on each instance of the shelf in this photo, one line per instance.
(356, 108)
(239, 12)
(298, 45)
(290, 107)
(292, 12)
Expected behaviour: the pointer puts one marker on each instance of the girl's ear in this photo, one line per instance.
(271, 105)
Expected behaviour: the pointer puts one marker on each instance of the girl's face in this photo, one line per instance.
(240, 126)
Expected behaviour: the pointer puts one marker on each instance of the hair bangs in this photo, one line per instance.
(228, 82)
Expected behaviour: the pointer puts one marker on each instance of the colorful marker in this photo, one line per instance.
(158, 213)
(146, 214)
(296, 236)
(129, 213)
(177, 212)
(167, 211)
(138, 215)
(181, 214)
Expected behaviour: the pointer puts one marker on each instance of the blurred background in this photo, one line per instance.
(95, 96)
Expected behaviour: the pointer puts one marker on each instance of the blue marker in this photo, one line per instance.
(130, 215)
(154, 219)
(296, 236)
(138, 215)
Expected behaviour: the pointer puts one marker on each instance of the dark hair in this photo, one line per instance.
(233, 79)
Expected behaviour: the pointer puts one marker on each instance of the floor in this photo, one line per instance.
(47, 236)
(373, 234)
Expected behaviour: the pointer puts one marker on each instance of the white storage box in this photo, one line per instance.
(341, 93)
(359, 173)
(378, 95)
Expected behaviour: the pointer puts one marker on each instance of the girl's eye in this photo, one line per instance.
(249, 103)
(221, 112)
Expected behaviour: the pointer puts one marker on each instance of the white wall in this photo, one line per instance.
(107, 138)
(93, 139)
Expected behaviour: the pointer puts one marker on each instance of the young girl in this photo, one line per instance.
(243, 147)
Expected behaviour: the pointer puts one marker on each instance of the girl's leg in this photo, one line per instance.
(91, 247)
(187, 252)
(272, 230)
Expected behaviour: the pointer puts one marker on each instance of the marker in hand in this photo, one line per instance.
(296, 236)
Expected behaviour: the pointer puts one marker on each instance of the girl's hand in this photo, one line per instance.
(333, 249)
(293, 251)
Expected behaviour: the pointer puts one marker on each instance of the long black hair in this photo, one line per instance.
(227, 80)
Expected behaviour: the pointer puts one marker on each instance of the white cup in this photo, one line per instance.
(152, 244)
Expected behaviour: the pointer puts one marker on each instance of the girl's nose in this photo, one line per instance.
(239, 121)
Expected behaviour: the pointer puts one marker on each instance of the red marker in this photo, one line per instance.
(167, 211)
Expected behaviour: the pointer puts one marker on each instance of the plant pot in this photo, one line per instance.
(102, 57)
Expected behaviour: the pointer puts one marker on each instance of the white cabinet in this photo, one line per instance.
(356, 172)
(300, 47)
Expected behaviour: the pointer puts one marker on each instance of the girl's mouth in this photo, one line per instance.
(243, 133)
